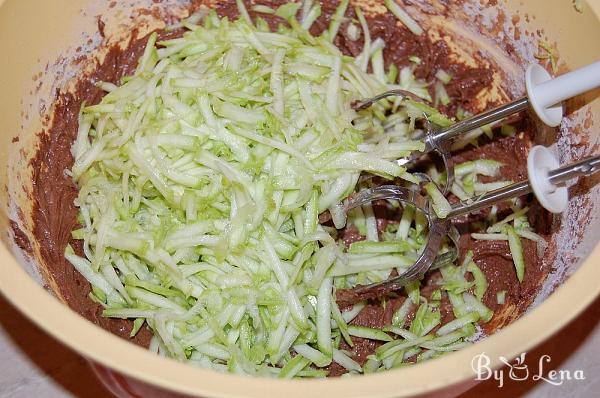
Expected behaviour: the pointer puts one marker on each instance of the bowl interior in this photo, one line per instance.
(507, 33)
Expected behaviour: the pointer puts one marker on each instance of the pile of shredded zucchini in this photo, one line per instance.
(201, 178)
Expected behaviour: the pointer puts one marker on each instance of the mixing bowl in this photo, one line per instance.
(45, 44)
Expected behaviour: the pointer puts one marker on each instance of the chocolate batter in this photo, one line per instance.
(55, 216)
(20, 238)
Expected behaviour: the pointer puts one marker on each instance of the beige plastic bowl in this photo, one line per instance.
(40, 38)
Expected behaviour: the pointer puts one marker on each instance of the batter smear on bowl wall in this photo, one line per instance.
(178, 192)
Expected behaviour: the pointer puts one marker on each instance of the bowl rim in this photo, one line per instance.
(98, 345)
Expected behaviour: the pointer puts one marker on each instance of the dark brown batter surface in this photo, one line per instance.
(20, 238)
(55, 215)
